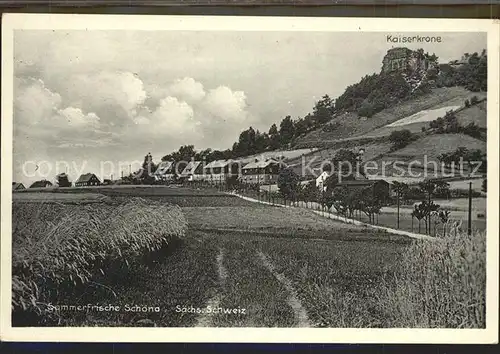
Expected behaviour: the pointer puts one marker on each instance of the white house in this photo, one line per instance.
(321, 179)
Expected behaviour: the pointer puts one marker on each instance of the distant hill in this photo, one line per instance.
(350, 125)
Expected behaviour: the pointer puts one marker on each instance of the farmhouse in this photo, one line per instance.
(87, 179)
(378, 187)
(17, 186)
(41, 184)
(321, 179)
(261, 172)
(165, 171)
(217, 171)
(193, 171)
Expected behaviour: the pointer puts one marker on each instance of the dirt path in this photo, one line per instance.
(300, 314)
(206, 319)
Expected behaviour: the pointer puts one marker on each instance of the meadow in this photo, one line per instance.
(164, 265)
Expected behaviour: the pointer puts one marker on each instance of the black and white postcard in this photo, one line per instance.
(190, 178)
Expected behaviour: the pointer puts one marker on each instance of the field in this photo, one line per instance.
(235, 264)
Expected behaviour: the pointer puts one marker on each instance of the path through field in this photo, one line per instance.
(243, 264)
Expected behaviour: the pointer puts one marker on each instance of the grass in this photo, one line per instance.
(58, 197)
(291, 222)
(440, 284)
(179, 277)
(434, 145)
(341, 275)
(265, 304)
(57, 247)
(335, 279)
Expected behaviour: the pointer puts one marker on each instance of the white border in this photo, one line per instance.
(226, 23)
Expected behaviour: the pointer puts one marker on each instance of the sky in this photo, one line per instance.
(98, 101)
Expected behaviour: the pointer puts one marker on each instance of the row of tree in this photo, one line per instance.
(471, 74)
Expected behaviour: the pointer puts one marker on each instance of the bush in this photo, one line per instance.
(401, 138)
(474, 100)
(366, 110)
(58, 246)
(440, 283)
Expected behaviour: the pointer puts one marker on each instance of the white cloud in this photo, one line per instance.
(226, 105)
(172, 118)
(33, 102)
(114, 96)
(187, 89)
(76, 118)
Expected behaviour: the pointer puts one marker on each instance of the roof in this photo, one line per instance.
(16, 185)
(42, 183)
(260, 164)
(220, 163)
(164, 167)
(190, 167)
(86, 177)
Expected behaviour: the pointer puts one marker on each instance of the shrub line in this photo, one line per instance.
(348, 221)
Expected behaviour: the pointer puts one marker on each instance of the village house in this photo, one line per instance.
(41, 184)
(193, 171)
(165, 171)
(320, 180)
(87, 180)
(17, 186)
(217, 171)
(261, 172)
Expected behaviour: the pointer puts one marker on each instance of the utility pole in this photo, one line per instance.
(397, 190)
(469, 223)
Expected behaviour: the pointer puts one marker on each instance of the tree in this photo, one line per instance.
(424, 210)
(274, 137)
(62, 180)
(287, 131)
(418, 213)
(288, 184)
(340, 200)
(444, 216)
(246, 144)
(401, 138)
(401, 191)
(430, 187)
(369, 203)
(323, 110)
(232, 182)
(310, 193)
(347, 164)
(146, 175)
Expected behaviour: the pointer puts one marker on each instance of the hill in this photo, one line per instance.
(410, 92)
(425, 150)
(350, 126)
